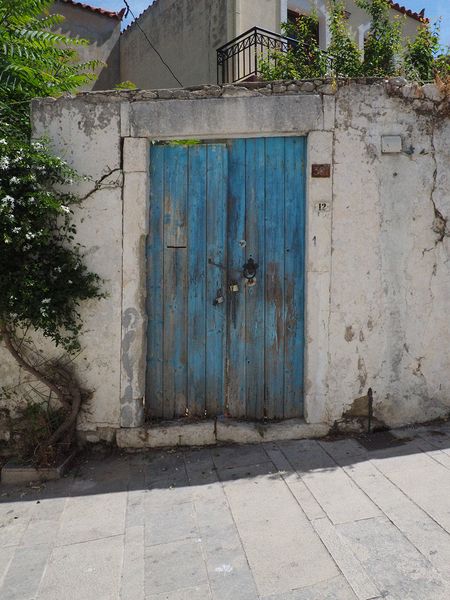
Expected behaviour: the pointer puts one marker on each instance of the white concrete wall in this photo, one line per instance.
(186, 34)
(103, 35)
(378, 277)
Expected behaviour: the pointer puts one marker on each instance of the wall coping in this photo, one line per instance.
(429, 96)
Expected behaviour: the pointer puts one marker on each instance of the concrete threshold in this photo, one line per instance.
(216, 431)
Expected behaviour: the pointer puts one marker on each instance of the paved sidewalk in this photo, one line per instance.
(303, 520)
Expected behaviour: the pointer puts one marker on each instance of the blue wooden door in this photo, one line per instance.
(219, 340)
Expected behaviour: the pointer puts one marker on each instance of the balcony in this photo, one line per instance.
(239, 59)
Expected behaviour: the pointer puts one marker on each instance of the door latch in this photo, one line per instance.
(234, 287)
(219, 299)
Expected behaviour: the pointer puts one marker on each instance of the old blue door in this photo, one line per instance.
(226, 279)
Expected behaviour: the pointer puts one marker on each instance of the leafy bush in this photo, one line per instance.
(303, 59)
(343, 52)
(34, 60)
(383, 56)
(382, 47)
(42, 275)
(420, 60)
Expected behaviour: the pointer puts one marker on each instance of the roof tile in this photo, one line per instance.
(100, 11)
(410, 13)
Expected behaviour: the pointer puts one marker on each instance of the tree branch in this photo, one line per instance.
(8, 338)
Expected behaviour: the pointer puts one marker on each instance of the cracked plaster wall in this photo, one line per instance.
(378, 257)
(390, 283)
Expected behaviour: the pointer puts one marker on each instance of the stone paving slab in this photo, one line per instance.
(332, 589)
(335, 519)
(396, 566)
(83, 570)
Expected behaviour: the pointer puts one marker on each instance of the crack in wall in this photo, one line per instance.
(440, 222)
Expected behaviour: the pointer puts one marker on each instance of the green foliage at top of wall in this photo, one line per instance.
(421, 59)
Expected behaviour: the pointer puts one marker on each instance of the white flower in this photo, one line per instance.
(14, 180)
(65, 209)
(8, 200)
(37, 145)
(29, 235)
(4, 162)
(45, 301)
(16, 230)
(3, 142)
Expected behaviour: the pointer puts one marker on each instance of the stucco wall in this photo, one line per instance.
(358, 20)
(258, 13)
(185, 33)
(390, 275)
(378, 278)
(87, 135)
(102, 32)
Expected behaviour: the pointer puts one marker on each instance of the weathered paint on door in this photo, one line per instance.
(214, 351)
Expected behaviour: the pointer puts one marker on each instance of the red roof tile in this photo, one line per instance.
(410, 13)
(100, 11)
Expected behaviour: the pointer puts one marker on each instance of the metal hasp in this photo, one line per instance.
(219, 299)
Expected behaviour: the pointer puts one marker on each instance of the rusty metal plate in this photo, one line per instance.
(321, 171)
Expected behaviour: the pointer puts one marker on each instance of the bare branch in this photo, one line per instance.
(8, 339)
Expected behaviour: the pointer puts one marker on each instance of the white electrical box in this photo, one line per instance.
(391, 144)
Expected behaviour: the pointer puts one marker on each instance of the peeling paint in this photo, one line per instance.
(349, 334)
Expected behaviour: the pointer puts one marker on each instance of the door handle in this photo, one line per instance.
(249, 269)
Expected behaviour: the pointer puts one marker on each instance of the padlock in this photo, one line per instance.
(234, 287)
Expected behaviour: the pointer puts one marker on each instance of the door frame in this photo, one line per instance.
(316, 126)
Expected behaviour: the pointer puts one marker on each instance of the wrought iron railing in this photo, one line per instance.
(239, 59)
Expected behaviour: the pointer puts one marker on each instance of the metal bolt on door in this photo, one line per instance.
(226, 279)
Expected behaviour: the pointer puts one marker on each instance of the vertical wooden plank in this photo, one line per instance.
(175, 282)
(197, 265)
(274, 291)
(294, 245)
(254, 304)
(236, 388)
(175, 199)
(216, 177)
(155, 278)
